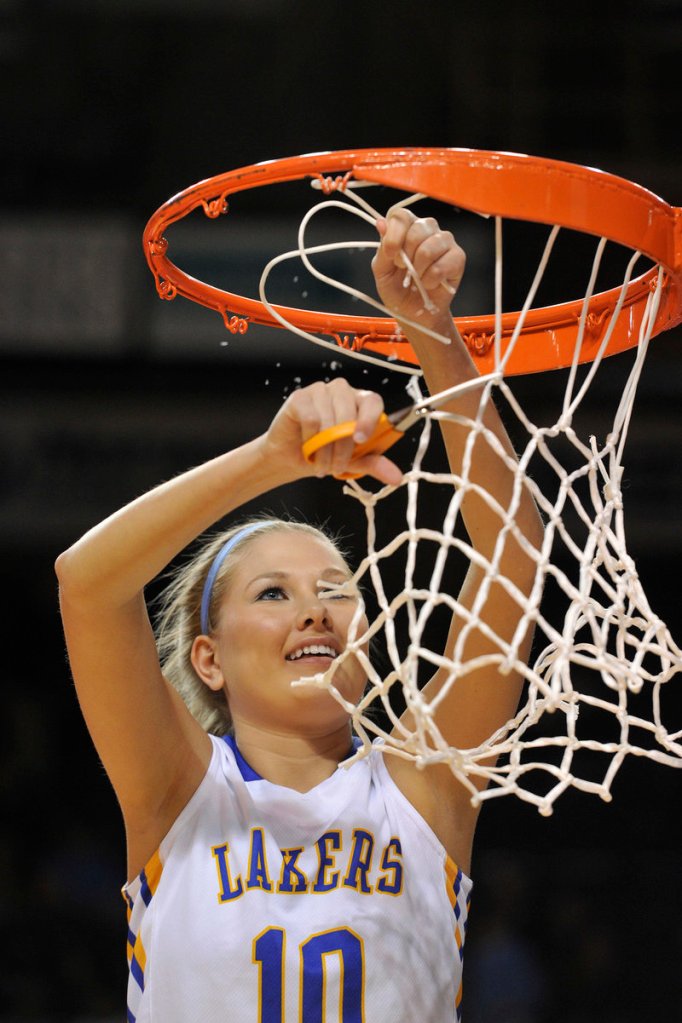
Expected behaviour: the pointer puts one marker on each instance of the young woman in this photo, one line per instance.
(268, 883)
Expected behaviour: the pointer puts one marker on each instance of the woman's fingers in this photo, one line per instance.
(322, 406)
(393, 231)
(414, 248)
(434, 254)
(437, 258)
(378, 466)
(369, 409)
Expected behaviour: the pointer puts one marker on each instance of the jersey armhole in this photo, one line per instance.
(396, 794)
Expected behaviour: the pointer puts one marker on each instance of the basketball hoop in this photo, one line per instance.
(605, 656)
(495, 184)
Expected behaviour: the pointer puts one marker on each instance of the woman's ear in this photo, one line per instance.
(205, 661)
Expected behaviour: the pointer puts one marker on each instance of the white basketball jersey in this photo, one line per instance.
(267, 905)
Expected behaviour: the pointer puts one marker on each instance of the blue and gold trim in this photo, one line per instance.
(148, 883)
(460, 907)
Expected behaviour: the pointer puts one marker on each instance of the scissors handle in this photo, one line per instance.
(385, 436)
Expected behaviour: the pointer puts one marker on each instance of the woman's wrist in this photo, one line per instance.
(451, 362)
(269, 468)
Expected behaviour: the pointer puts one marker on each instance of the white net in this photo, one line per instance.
(602, 663)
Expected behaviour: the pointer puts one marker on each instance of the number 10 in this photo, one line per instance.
(268, 954)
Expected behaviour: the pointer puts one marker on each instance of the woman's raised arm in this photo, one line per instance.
(484, 699)
(154, 752)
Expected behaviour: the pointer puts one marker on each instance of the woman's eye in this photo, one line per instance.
(272, 593)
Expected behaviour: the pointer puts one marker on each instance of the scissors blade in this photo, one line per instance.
(403, 418)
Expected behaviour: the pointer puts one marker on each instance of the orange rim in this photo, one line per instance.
(499, 184)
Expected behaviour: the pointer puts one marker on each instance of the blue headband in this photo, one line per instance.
(215, 568)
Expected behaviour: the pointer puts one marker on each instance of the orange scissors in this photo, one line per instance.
(388, 431)
(390, 428)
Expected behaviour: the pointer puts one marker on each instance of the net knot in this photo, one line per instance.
(612, 490)
(613, 495)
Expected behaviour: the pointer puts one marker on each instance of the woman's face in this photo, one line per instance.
(278, 623)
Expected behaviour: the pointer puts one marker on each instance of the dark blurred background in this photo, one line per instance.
(109, 107)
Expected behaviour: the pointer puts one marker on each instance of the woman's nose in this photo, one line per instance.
(312, 612)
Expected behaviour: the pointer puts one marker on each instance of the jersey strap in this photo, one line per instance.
(245, 769)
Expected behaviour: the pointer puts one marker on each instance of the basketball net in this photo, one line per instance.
(602, 658)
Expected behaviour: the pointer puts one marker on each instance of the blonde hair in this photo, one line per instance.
(178, 621)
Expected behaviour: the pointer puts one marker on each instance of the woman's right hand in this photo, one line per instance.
(311, 409)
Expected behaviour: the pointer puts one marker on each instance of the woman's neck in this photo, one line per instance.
(295, 761)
